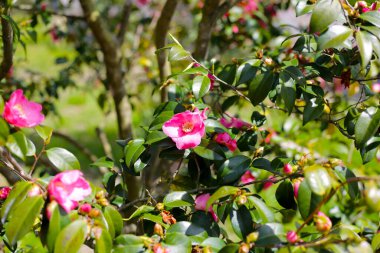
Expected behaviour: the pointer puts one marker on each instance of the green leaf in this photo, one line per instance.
(365, 47)
(103, 162)
(372, 17)
(17, 195)
(44, 132)
(260, 87)
(154, 218)
(268, 234)
(57, 221)
(352, 188)
(223, 191)
(307, 200)
(177, 53)
(228, 73)
(366, 126)
(133, 150)
(113, 216)
(128, 239)
(324, 13)
(140, 211)
(20, 146)
(30, 243)
(189, 229)
(285, 195)
(318, 179)
(4, 131)
(103, 243)
(155, 136)
(209, 150)
(201, 85)
(313, 110)
(177, 242)
(160, 120)
(233, 168)
(178, 199)
(288, 91)
(266, 214)
(247, 71)
(71, 238)
(230, 248)
(376, 242)
(63, 159)
(241, 221)
(334, 37)
(214, 243)
(22, 218)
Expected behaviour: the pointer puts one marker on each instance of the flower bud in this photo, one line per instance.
(241, 200)
(252, 237)
(103, 202)
(158, 230)
(206, 249)
(292, 237)
(244, 248)
(34, 191)
(94, 213)
(296, 185)
(49, 209)
(99, 195)
(269, 62)
(4, 192)
(322, 222)
(288, 169)
(160, 206)
(85, 208)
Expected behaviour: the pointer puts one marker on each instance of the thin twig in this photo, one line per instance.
(124, 21)
(36, 158)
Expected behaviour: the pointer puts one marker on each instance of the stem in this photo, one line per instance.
(36, 158)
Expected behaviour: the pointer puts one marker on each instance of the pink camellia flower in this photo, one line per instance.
(226, 140)
(67, 188)
(186, 129)
(296, 185)
(288, 169)
(4, 192)
(200, 204)
(85, 208)
(292, 237)
(234, 123)
(247, 177)
(19, 112)
(235, 29)
(376, 87)
(141, 3)
(322, 222)
(268, 183)
(212, 80)
(34, 191)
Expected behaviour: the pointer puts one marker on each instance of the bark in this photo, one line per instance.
(112, 59)
(7, 37)
(160, 34)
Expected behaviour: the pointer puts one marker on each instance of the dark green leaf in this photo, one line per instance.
(177, 242)
(17, 195)
(266, 214)
(334, 37)
(178, 199)
(268, 234)
(220, 193)
(214, 243)
(228, 73)
(241, 221)
(324, 13)
(112, 215)
(288, 91)
(201, 85)
(21, 146)
(372, 17)
(365, 46)
(140, 211)
(260, 87)
(232, 169)
(313, 109)
(307, 200)
(62, 159)
(209, 150)
(247, 71)
(367, 125)
(155, 136)
(133, 150)
(285, 195)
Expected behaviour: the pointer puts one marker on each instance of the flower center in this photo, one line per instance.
(20, 110)
(187, 127)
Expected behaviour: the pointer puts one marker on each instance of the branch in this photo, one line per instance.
(124, 21)
(211, 12)
(7, 37)
(105, 143)
(33, 10)
(10, 162)
(160, 33)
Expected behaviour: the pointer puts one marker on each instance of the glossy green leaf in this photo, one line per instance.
(230, 248)
(241, 221)
(155, 136)
(228, 74)
(103, 242)
(112, 215)
(201, 85)
(318, 179)
(71, 238)
(324, 13)
(160, 120)
(140, 211)
(365, 47)
(58, 220)
(44, 132)
(178, 53)
(178, 199)
(209, 150)
(313, 110)
(372, 17)
(22, 218)
(133, 150)
(155, 218)
(177, 242)
(367, 125)
(260, 87)
(269, 234)
(288, 91)
(214, 243)
(63, 159)
(285, 195)
(189, 229)
(233, 168)
(334, 37)
(266, 214)
(247, 71)
(223, 191)
(17, 195)
(4, 131)
(20, 146)
(351, 188)
(307, 200)
(376, 242)
(104, 162)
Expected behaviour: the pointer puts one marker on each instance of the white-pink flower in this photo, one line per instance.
(186, 129)
(20, 112)
(67, 188)
(201, 202)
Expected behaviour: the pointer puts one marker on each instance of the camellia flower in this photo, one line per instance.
(200, 204)
(268, 183)
(296, 185)
(20, 112)
(234, 123)
(226, 140)
(186, 129)
(322, 222)
(85, 208)
(212, 80)
(67, 188)
(247, 177)
(4, 192)
(376, 87)
(287, 169)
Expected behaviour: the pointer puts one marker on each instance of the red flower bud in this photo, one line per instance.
(322, 222)
(85, 208)
(4, 192)
(292, 237)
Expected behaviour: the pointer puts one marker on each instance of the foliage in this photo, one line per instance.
(278, 122)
